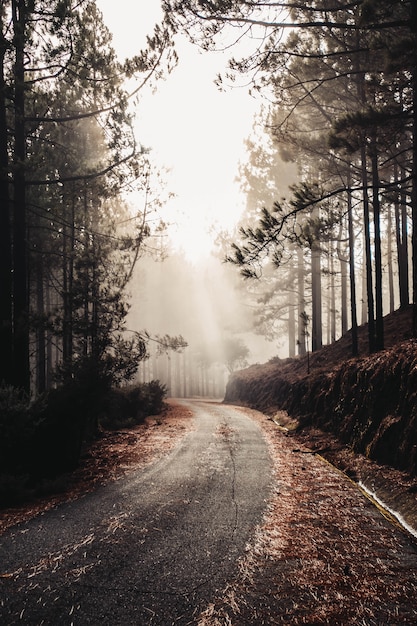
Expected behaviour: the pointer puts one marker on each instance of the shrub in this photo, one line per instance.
(17, 425)
(43, 440)
(130, 405)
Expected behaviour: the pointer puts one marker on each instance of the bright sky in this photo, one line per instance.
(192, 129)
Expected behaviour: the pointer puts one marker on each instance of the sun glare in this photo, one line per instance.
(192, 240)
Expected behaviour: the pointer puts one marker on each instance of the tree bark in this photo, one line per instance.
(389, 260)
(352, 269)
(66, 287)
(405, 281)
(291, 323)
(40, 329)
(5, 232)
(332, 298)
(368, 259)
(20, 362)
(301, 303)
(379, 320)
(343, 260)
(414, 170)
(316, 304)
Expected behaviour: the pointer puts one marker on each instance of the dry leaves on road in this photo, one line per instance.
(109, 457)
(323, 554)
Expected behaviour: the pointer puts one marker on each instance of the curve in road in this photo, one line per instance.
(152, 548)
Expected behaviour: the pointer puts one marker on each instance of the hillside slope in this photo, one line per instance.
(368, 403)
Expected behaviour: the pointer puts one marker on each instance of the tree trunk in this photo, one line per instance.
(66, 286)
(401, 237)
(389, 260)
(414, 171)
(368, 259)
(332, 298)
(379, 320)
(364, 303)
(401, 231)
(86, 280)
(301, 303)
(49, 340)
(40, 330)
(316, 304)
(5, 233)
(184, 369)
(352, 270)
(291, 323)
(343, 280)
(20, 363)
(169, 376)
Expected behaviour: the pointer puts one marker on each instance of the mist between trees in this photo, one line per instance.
(206, 305)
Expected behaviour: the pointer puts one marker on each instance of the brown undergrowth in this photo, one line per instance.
(369, 403)
(112, 455)
(322, 555)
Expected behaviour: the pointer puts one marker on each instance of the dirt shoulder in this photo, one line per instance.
(323, 553)
(112, 455)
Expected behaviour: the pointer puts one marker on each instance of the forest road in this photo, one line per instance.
(151, 548)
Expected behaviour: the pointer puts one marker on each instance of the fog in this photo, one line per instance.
(206, 304)
(193, 294)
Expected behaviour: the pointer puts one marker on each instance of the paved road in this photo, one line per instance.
(151, 548)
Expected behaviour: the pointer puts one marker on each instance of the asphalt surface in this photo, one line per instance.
(152, 548)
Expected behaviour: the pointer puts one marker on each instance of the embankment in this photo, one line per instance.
(369, 403)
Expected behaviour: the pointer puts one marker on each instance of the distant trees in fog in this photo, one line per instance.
(201, 310)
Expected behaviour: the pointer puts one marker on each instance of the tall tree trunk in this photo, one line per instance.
(301, 303)
(414, 170)
(316, 304)
(20, 363)
(360, 63)
(405, 282)
(66, 296)
(332, 298)
(364, 302)
(95, 341)
(401, 235)
(291, 323)
(40, 330)
(352, 268)
(368, 258)
(49, 340)
(341, 255)
(5, 232)
(390, 268)
(185, 365)
(379, 320)
(86, 282)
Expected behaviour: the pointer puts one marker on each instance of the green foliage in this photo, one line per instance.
(128, 406)
(286, 223)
